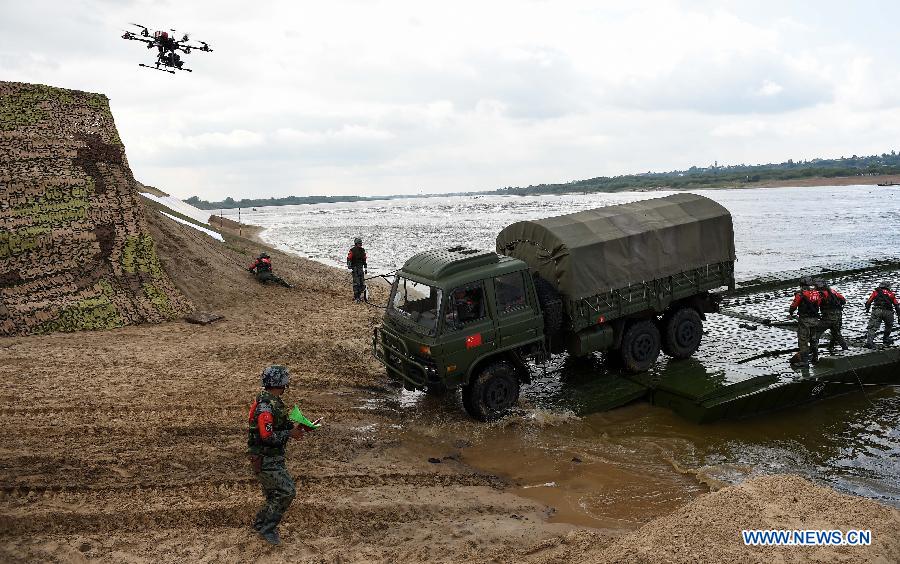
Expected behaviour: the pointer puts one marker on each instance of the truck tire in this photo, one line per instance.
(491, 392)
(640, 346)
(682, 332)
(551, 306)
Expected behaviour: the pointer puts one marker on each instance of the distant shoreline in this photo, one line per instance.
(809, 182)
(814, 181)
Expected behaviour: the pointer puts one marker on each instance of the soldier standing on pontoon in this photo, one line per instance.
(832, 306)
(883, 303)
(806, 303)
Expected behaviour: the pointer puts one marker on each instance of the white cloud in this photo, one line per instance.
(769, 88)
(386, 97)
(744, 128)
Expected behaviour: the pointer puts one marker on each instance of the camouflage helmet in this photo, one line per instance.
(806, 282)
(275, 376)
(885, 284)
(263, 255)
(357, 241)
(820, 283)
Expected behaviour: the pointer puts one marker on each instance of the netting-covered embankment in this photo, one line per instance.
(75, 250)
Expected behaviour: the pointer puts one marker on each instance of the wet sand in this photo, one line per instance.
(128, 446)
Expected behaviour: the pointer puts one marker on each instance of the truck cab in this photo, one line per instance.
(452, 313)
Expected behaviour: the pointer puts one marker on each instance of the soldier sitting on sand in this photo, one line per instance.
(263, 269)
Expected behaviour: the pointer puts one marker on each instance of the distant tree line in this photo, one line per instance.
(694, 177)
(728, 175)
(230, 203)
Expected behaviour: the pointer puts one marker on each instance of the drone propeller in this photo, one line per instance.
(144, 31)
(135, 37)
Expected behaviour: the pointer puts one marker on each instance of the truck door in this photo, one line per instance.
(468, 329)
(517, 320)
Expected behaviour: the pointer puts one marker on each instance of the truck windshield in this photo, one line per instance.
(417, 302)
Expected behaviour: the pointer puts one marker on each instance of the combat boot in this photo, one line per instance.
(800, 360)
(271, 537)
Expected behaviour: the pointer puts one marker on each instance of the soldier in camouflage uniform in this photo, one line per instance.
(832, 306)
(269, 431)
(356, 262)
(263, 269)
(884, 304)
(807, 301)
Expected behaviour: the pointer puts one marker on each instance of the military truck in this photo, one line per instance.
(630, 279)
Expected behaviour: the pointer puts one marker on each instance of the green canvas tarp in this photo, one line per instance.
(595, 251)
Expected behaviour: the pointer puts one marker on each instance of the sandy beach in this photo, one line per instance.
(129, 446)
(817, 181)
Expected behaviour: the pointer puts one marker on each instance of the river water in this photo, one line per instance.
(619, 468)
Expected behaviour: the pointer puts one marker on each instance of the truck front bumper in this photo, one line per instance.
(391, 351)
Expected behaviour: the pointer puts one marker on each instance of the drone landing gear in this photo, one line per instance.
(155, 68)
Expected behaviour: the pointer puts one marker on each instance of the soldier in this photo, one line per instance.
(807, 300)
(263, 268)
(832, 306)
(883, 303)
(269, 431)
(356, 262)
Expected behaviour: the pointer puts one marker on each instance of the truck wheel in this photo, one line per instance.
(640, 346)
(682, 332)
(492, 392)
(551, 306)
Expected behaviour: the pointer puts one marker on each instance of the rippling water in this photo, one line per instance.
(775, 228)
(639, 461)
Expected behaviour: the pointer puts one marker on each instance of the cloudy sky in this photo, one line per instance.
(380, 97)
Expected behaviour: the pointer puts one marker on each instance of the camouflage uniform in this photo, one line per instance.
(277, 484)
(878, 316)
(832, 307)
(269, 276)
(883, 303)
(356, 262)
(808, 334)
(809, 325)
(263, 268)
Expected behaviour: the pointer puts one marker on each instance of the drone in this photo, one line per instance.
(167, 46)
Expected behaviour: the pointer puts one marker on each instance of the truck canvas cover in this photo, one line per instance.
(598, 250)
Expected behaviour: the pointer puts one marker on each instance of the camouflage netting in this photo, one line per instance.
(75, 250)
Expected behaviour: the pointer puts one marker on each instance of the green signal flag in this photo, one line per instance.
(297, 417)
